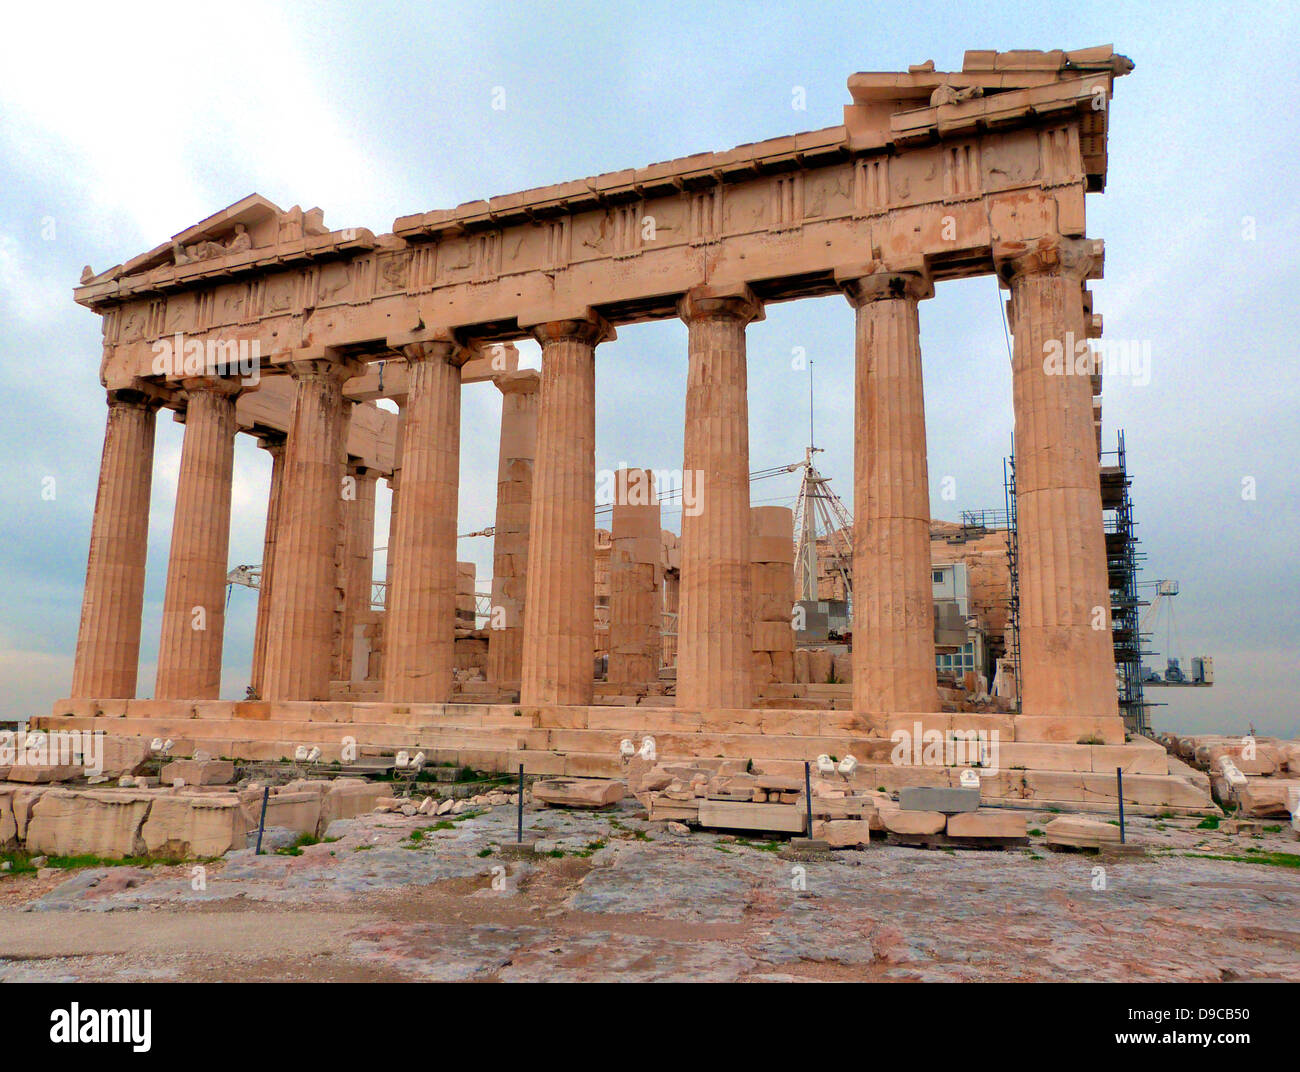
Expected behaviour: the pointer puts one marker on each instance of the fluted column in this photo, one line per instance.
(194, 604)
(394, 486)
(559, 605)
(274, 444)
(714, 622)
(300, 640)
(108, 639)
(1067, 663)
(519, 391)
(420, 612)
(635, 598)
(893, 597)
(356, 573)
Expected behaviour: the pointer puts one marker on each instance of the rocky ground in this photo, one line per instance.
(615, 897)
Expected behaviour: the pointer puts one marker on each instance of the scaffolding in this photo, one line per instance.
(1013, 563)
(1122, 559)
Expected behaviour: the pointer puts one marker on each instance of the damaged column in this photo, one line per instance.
(356, 573)
(1067, 661)
(714, 624)
(771, 554)
(519, 394)
(559, 624)
(893, 601)
(274, 444)
(635, 596)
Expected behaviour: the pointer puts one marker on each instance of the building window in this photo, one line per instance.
(938, 576)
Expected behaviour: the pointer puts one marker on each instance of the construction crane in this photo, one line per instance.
(251, 577)
(1162, 608)
(816, 505)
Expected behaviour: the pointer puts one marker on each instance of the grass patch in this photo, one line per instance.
(1210, 822)
(19, 863)
(363, 848)
(591, 848)
(299, 843)
(1034, 832)
(1269, 859)
(484, 852)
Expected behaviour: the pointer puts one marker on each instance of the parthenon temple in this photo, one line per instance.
(265, 322)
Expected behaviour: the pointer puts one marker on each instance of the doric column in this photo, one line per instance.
(108, 640)
(300, 640)
(519, 394)
(394, 487)
(357, 540)
(420, 609)
(194, 605)
(714, 623)
(635, 596)
(559, 605)
(1066, 656)
(274, 444)
(893, 596)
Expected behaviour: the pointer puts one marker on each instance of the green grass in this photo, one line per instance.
(1034, 832)
(299, 843)
(484, 852)
(1210, 822)
(20, 863)
(1270, 859)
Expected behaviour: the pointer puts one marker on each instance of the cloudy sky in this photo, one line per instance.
(122, 124)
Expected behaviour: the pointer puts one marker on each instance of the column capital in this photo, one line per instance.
(519, 382)
(1078, 258)
(431, 344)
(590, 329)
(720, 303)
(877, 280)
(214, 385)
(336, 369)
(146, 397)
(271, 440)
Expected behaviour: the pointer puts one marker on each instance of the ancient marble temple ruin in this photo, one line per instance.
(931, 176)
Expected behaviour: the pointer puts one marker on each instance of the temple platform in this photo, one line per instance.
(905, 750)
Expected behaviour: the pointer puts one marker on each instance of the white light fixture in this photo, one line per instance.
(969, 779)
(848, 765)
(648, 751)
(626, 747)
(825, 765)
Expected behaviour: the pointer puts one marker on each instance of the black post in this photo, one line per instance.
(519, 837)
(261, 823)
(1119, 783)
(807, 792)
